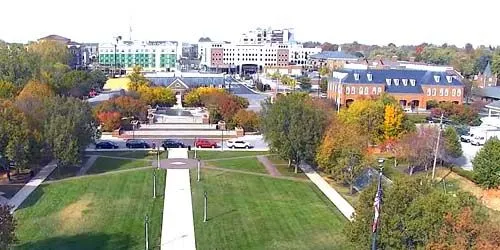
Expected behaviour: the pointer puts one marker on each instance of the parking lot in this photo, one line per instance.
(469, 152)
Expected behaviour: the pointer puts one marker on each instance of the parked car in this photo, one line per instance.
(106, 145)
(204, 143)
(172, 144)
(132, 143)
(238, 144)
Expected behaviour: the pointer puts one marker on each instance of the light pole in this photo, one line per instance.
(437, 146)
(118, 38)
(154, 183)
(377, 205)
(198, 172)
(205, 208)
(146, 225)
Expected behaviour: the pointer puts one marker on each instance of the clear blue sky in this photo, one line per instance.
(365, 21)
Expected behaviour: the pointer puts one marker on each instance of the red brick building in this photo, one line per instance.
(412, 88)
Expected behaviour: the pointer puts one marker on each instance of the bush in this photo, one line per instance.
(469, 175)
(487, 164)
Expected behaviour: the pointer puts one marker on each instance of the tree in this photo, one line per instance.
(7, 89)
(417, 148)
(50, 52)
(487, 164)
(17, 65)
(288, 81)
(452, 146)
(224, 104)
(15, 135)
(495, 64)
(342, 152)
(369, 115)
(324, 72)
(326, 46)
(293, 127)
(393, 122)
(74, 83)
(193, 97)
(109, 120)
(127, 106)
(305, 82)
(156, 96)
(7, 227)
(248, 120)
(137, 79)
(97, 79)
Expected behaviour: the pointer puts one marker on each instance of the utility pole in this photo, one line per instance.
(154, 183)
(146, 225)
(437, 146)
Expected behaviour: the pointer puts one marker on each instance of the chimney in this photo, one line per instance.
(394, 58)
(412, 59)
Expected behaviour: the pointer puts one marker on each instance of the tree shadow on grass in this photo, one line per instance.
(33, 198)
(81, 241)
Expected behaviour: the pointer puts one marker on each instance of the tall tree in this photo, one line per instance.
(137, 79)
(369, 115)
(293, 127)
(487, 164)
(452, 146)
(393, 121)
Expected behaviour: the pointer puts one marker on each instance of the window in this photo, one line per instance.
(449, 79)
(347, 91)
(453, 92)
(374, 91)
(369, 76)
(446, 92)
(356, 76)
(379, 90)
(353, 90)
(441, 92)
(366, 91)
(434, 92)
(396, 82)
(405, 82)
(412, 82)
(459, 92)
(360, 90)
(437, 78)
(388, 81)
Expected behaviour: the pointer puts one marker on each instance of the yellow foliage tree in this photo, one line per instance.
(193, 97)
(154, 96)
(393, 121)
(368, 114)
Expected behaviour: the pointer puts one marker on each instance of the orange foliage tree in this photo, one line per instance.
(109, 120)
(248, 120)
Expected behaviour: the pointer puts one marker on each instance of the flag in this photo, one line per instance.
(377, 204)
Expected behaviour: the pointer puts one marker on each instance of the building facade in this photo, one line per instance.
(330, 59)
(269, 35)
(412, 88)
(486, 78)
(159, 56)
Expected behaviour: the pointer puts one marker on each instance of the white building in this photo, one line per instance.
(269, 35)
(157, 56)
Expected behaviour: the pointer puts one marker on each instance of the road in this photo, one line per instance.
(254, 98)
(254, 140)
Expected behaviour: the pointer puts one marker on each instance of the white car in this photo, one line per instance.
(238, 144)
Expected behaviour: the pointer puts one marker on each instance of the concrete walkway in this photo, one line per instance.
(88, 165)
(343, 206)
(22, 194)
(271, 169)
(178, 226)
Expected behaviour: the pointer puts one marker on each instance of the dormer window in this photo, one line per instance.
(412, 82)
(449, 79)
(396, 82)
(437, 79)
(356, 76)
(405, 82)
(388, 81)
(369, 76)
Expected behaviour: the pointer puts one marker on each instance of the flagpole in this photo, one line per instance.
(377, 205)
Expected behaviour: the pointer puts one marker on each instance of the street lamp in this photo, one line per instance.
(117, 38)
(381, 164)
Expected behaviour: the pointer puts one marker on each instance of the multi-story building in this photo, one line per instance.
(90, 53)
(331, 59)
(486, 78)
(158, 56)
(412, 88)
(74, 48)
(268, 35)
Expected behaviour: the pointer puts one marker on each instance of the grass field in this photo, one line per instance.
(211, 155)
(245, 164)
(103, 164)
(95, 212)
(253, 212)
(129, 154)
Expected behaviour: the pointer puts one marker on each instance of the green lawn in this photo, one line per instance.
(254, 212)
(210, 155)
(103, 164)
(245, 164)
(97, 212)
(129, 154)
(282, 166)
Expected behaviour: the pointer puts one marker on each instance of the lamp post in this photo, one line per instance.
(117, 38)
(377, 205)
(146, 225)
(198, 171)
(205, 206)
(154, 183)
(437, 146)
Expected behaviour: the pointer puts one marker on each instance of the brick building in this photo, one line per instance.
(413, 88)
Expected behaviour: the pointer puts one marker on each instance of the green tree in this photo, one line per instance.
(137, 79)
(305, 82)
(17, 65)
(369, 115)
(7, 89)
(452, 146)
(97, 79)
(495, 64)
(293, 127)
(487, 164)
(50, 52)
(7, 227)
(324, 72)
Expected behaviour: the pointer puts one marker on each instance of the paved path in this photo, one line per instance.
(344, 207)
(22, 194)
(88, 164)
(271, 169)
(178, 226)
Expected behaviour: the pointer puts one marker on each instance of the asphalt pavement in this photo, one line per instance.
(254, 98)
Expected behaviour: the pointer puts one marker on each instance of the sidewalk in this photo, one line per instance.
(342, 205)
(22, 194)
(88, 165)
(178, 226)
(271, 169)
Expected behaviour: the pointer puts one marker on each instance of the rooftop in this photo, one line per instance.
(492, 92)
(338, 55)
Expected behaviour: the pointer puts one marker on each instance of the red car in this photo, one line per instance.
(203, 143)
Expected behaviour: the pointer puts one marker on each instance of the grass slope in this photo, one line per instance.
(100, 212)
(252, 212)
(211, 155)
(245, 164)
(103, 164)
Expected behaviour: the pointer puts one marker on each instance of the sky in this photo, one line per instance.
(365, 21)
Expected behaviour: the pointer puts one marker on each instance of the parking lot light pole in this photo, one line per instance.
(154, 183)
(146, 225)
(205, 206)
(198, 173)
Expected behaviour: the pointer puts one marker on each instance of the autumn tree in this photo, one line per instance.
(50, 52)
(248, 120)
(110, 120)
(15, 135)
(393, 121)
(7, 227)
(487, 164)
(417, 148)
(7, 89)
(193, 97)
(293, 127)
(127, 106)
(342, 152)
(137, 79)
(156, 96)
(369, 115)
